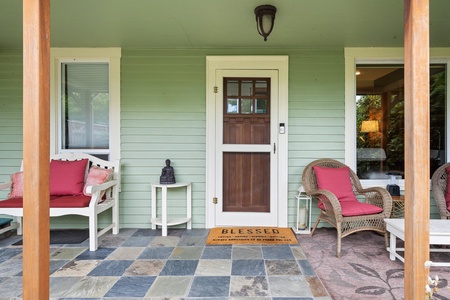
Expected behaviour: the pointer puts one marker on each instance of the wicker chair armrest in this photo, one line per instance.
(380, 197)
(330, 202)
(439, 198)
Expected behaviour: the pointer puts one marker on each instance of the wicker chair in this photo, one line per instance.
(439, 188)
(332, 212)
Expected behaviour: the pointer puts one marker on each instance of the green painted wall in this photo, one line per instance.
(163, 115)
(10, 113)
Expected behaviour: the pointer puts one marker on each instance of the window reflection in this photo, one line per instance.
(380, 119)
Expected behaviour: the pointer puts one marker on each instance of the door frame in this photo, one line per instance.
(278, 63)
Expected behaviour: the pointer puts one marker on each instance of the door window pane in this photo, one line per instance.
(232, 87)
(246, 88)
(85, 105)
(261, 88)
(261, 106)
(246, 106)
(380, 124)
(232, 106)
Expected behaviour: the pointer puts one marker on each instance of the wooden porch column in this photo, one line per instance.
(36, 148)
(417, 153)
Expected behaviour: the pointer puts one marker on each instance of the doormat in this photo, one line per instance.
(251, 235)
(65, 236)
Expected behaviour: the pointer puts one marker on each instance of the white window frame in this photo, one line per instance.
(355, 56)
(63, 55)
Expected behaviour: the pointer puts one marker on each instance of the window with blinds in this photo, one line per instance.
(84, 105)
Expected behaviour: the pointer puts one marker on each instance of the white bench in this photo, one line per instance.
(439, 235)
(91, 210)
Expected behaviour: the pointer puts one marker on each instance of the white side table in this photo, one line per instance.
(164, 221)
(304, 203)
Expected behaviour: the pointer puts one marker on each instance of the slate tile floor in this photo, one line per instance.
(140, 264)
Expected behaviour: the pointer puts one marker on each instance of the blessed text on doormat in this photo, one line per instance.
(250, 235)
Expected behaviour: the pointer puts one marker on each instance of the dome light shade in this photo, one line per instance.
(265, 18)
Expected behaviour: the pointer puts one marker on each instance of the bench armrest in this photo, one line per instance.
(101, 187)
(5, 185)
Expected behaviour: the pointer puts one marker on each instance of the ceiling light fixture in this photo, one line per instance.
(265, 18)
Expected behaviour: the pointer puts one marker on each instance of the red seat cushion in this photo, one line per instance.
(17, 202)
(12, 202)
(67, 177)
(350, 209)
(71, 201)
(337, 181)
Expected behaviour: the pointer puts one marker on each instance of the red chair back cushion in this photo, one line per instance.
(337, 181)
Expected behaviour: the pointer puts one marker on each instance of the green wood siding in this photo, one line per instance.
(10, 113)
(163, 115)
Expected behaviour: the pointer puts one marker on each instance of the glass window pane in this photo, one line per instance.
(246, 88)
(261, 88)
(246, 106)
(232, 106)
(232, 88)
(261, 106)
(85, 105)
(380, 120)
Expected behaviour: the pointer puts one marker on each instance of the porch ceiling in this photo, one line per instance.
(223, 23)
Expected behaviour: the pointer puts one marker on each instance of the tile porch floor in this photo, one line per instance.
(140, 264)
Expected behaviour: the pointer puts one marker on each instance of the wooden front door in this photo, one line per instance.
(246, 132)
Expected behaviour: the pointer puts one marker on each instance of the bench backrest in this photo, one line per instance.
(93, 161)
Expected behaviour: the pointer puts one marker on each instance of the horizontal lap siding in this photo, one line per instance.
(10, 114)
(316, 114)
(162, 117)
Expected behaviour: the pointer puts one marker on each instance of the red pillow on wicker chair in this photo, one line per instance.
(350, 209)
(337, 181)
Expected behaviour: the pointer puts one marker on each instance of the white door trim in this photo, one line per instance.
(279, 63)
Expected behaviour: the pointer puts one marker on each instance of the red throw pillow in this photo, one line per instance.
(67, 177)
(16, 185)
(337, 181)
(447, 190)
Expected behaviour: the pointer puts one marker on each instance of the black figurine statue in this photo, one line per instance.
(167, 174)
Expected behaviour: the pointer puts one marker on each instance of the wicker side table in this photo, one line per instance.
(398, 207)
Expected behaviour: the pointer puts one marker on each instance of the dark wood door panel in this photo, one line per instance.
(247, 130)
(246, 184)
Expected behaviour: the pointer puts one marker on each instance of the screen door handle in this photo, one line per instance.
(274, 148)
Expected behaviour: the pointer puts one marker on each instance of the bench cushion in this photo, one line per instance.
(12, 202)
(71, 201)
(67, 177)
(16, 202)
